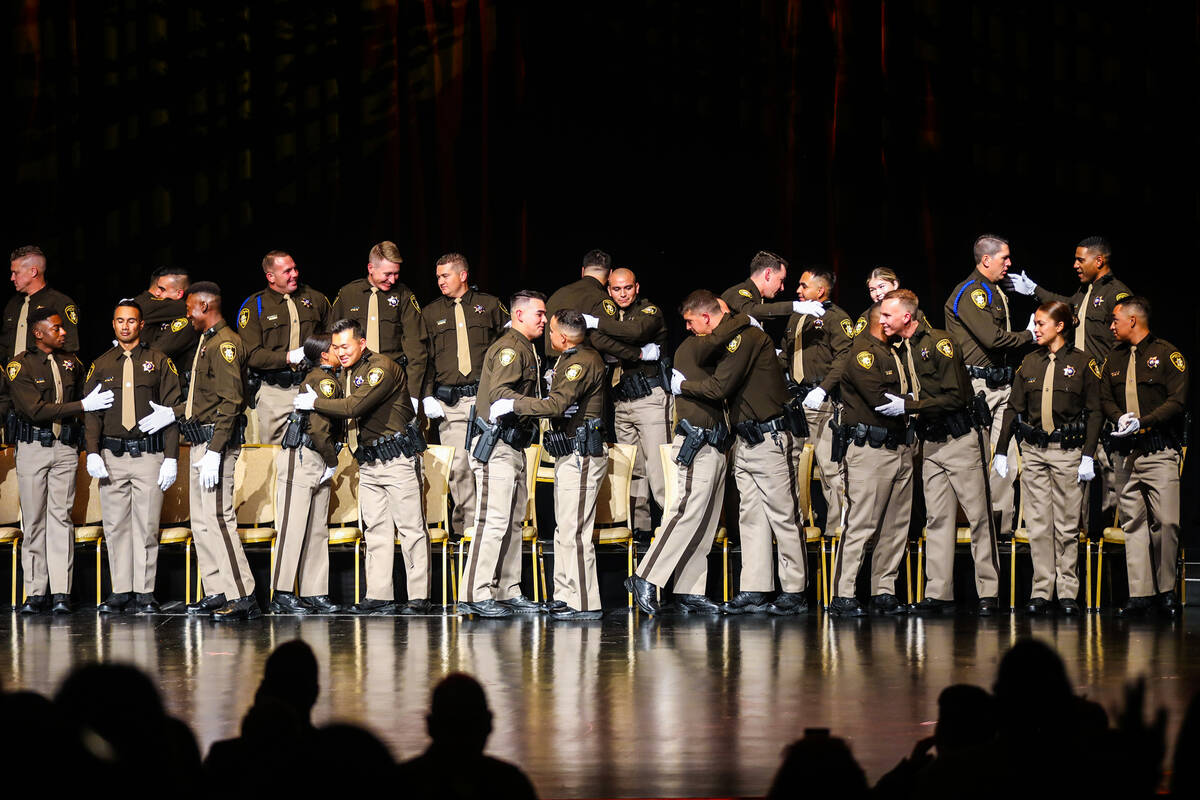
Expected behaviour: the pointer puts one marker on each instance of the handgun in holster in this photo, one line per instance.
(589, 438)
(750, 432)
(253, 384)
(693, 439)
(416, 437)
(981, 415)
(489, 435)
(293, 434)
(470, 428)
(793, 412)
(665, 370)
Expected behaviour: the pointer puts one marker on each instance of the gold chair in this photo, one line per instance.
(86, 515)
(720, 540)
(436, 469)
(614, 523)
(254, 497)
(174, 523)
(344, 516)
(10, 510)
(813, 534)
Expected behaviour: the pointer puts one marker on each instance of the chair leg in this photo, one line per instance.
(833, 559)
(920, 570)
(187, 570)
(271, 588)
(1099, 583)
(542, 569)
(461, 547)
(453, 574)
(1182, 578)
(445, 544)
(357, 591)
(726, 575)
(908, 587)
(533, 567)
(1087, 575)
(629, 595)
(15, 548)
(1012, 576)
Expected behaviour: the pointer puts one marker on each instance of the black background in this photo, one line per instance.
(679, 136)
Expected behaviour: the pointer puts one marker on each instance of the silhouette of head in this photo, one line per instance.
(1032, 690)
(966, 717)
(459, 714)
(290, 677)
(818, 766)
(117, 702)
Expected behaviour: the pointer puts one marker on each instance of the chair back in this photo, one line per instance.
(612, 501)
(86, 509)
(343, 491)
(670, 477)
(254, 485)
(176, 507)
(804, 480)
(10, 506)
(437, 459)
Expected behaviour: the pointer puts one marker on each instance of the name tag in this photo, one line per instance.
(272, 317)
(441, 322)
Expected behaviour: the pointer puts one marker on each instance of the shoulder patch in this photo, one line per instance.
(860, 326)
(13, 368)
(1094, 367)
(848, 327)
(865, 359)
(228, 351)
(979, 298)
(745, 293)
(610, 307)
(413, 299)
(243, 317)
(1177, 360)
(650, 310)
(507, 356)
(734, 343)
(574, 371)
(179, 324)
(1121, 296)
(374, 376)
(171, 366)
(72, 314)
(327, 387)
(91, 369)
(946, 348)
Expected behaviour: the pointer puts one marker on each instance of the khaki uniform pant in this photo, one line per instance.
(821, 438)
(879, 508)
(645, 422)
(392, 497)
(272, 407)
(493, 569)
(766, 482)
(302, 503)
(46, 487)
(220, 559)
(953, 475)
(689, 525)
(131, 503)
(1052, 496)
(576, 483)
(1149, 483)
(1003, 496)
(452, 432)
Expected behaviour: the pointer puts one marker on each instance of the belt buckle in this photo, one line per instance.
(133, 447)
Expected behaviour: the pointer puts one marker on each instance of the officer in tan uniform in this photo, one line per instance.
(980, 325)
(389, 315)
(273, 325)
(165, 325)
(384, 438)
(462, 324)
(491, 580)
(1055, 415)
(134, 469)
(1143, 394)
(815, 351)
(576, 441)
(748, 377)
(305, 464)
(877, 460)
(45, 382)
(953, 449)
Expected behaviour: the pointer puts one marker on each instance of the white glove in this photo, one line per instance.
(677, 380)
(755, 322)
(591, 321)
(501, 407)
(1030, 326)
(210, 465)
(813, 400)
(508, 324)
(651, 352)
(1023, 284)
(1000, 466)
(810, 307)
(1087, 469)
(98, 400)
(158, 418)
(95, 466)
(167, 473)
(305, 400)
(433, 409)
(416, 404)
(548, 378)
(778, 352)
(571, 410)
(894, 407)
(1127, 425)
(295, 356)
(327, 474)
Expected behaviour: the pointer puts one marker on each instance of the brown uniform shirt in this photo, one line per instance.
(167, 329)
(31, 383)
(1106, 291)
(747, 374)
(378, 397)
(824, 341)
(696, 359)
(485, 316)
(588, 296)
(640, 324)
(512, 369)
(975, 318)
(579, 380)
(324, 432)
(1162, 382)
(264, 324)
(944, 383)
(1076, 389)
(46, 297)
(870, 373)
(155, 377)
(402, 332)
(746, 299)
(219, 384)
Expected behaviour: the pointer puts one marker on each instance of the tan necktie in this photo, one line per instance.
(537, 370)
(464, 346)
(58, 394)
(1079, 332)
(187, 409)
(1004, 302)
(798, 356)
(912, 370)
(1131, 398)
(900, 371)
(352, 423)
(1048, 397)
(293, 323)
(617, 372)
(128, 417)
(373, 321)
(22, 328)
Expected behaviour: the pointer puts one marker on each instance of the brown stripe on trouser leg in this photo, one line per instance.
(405, 492)
(821, 439)
(1003, 494)
(508, 569)
(691, 574)
(285, 464)
(1051, 490)
(762, 474)
(302, 517)
(479, 470)
(576, 483)
(236, 566)
(952, 472)
(453, 431)
(674, 516)
(496, 486)
(46, 486)
(1150, 486)
(313, 574)
(892, 536)
(131, 503)
(204, 531)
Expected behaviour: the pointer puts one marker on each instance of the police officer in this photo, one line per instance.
(1143, 393)
(462, 323)
(576, 441)
(641, 403)
(387, 444)
(491, 581)
(165, 325)
(979, 322)
(689, 525)
(954, 462)
(45, 383)
(748, 377)
(1055, 414)
(814, 353)
(305, 464)
(877, 460)
(589, 295)
(134, 469)
(273, 325)
(389, 315)
(767, 274)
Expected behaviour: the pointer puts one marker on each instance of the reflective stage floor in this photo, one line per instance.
(624, 706)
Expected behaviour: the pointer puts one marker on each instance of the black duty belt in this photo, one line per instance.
(1148, 440)
(876, 436)
(753, 432)
(22, 430)
(1069, 436)
(406, 443)
(635, 385)
(450, 395)
(694, 438)
(995, 377)
(950, 425)
(134, 447)
(283, 378)
(587, 440)
(202, 433)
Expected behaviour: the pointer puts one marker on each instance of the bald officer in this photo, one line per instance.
(273, 325)
(134, 469)
(165, 325)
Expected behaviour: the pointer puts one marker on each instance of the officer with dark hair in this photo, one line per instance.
(164, 316)
(768, 271)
